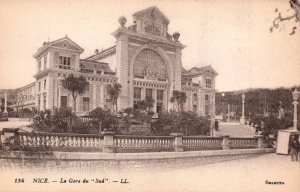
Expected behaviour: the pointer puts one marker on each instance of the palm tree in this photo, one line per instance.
(114, 93)
(76, 86)
(178, 98)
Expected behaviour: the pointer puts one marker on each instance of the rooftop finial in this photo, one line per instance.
(122, 21)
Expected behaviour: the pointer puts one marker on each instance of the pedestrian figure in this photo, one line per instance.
(294, 148)
(216, 125)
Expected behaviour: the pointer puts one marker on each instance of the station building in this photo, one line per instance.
(145, 60)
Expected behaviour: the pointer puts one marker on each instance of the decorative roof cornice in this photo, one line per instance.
(143, 37)
(104, 53)
(142, 13)
(51, 44)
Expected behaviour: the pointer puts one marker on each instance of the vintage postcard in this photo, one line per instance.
(150, 95)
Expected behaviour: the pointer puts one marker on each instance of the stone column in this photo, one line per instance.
(155, 100)
(42, 101)
(143, 93)
(5, 103)
(228, 115)
(225, 143)
(198, 103)
(165, 100)
(191, 101)
(178, 146)
(102, 96)
(260, 143)
(108, 142)
(242, 120)
(59, 87)
(295, 121)
(122, 66)
(295, 94)
(94, 93)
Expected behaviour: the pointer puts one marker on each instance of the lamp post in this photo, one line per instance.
(228, 115)
(295, 103)
(223, 102)
(242, 120)
(5, 103)
(280, 110)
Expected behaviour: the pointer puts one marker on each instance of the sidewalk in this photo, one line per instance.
(15, 124)
(234, 129)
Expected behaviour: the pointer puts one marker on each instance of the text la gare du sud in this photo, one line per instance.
(73, 180)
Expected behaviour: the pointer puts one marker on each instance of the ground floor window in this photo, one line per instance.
(45, 101)
(195, 108)
(207, 109)
(159, 107)
(86, 103)
(149, 93)
(39, 102)
(137, 93)
(64, 101)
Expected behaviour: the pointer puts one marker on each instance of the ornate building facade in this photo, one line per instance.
(145, 60)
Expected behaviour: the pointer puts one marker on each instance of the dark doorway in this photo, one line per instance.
(64, 101)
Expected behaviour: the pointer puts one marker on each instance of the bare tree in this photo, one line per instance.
(278, 21)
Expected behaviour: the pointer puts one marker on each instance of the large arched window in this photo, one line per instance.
(149, 64)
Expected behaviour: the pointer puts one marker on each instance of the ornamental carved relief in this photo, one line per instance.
(150, 65)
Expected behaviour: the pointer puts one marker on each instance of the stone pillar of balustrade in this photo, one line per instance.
(108, 141)
(225, 143)
(9, 133)
(178, 146)
(260, 143)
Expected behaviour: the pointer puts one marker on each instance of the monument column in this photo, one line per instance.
(228, 115)
(121, 35)
(5, 103)
(165, 100)
(94, 93)
(155, 100)
(295, 103)
(102, 95)
(242, 120)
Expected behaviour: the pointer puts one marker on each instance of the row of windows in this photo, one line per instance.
(64, 60)
(45, 85)
(147, 84)
(137, 94)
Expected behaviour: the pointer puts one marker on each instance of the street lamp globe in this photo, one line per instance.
(295, 94)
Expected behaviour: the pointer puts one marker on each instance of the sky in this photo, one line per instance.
(232, 36)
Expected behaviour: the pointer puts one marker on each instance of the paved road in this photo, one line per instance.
(15, 124)
(234, 129)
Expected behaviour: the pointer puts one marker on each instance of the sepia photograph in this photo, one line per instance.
(149, 95)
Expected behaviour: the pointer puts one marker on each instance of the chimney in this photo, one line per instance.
(96, 52)
(45, 43)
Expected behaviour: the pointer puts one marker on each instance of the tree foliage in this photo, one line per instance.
(58, 121)
(114, 93)
(76, 86)
(103, 118)
(187, 123)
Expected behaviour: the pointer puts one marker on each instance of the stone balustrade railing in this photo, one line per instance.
(134, 143)
(192, 143)
(57, 141)
(242, 142)
(109, 143)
